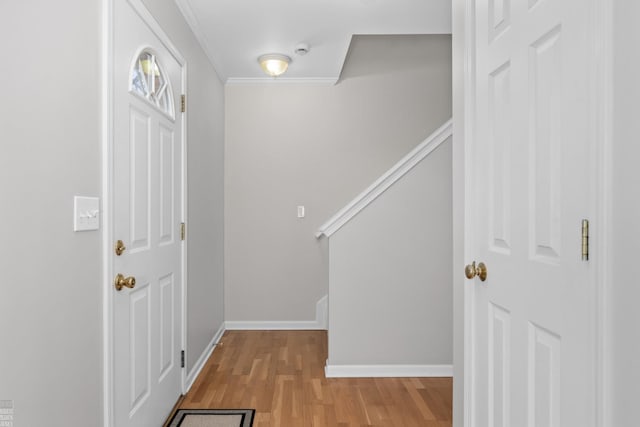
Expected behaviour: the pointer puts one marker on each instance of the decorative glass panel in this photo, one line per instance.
(149, 81)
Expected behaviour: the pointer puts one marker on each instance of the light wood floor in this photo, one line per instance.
(281, 375)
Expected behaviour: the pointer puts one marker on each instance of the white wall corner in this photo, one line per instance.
(322, 312)
(383, 371)
(202, 360)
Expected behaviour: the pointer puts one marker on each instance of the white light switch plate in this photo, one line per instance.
(86, 213)
(300, 211)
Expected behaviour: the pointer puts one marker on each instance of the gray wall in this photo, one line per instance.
(390, 292)
(623, 344)
(205, 223)
(318, 146)
(50, 295)
(50, 298)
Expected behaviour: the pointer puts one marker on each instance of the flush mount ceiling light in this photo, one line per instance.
(274, 64)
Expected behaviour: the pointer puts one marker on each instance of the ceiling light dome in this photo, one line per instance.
(274, 64)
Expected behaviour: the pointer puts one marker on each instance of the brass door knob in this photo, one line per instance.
(124, 282)
(120, 247)
(472, 270)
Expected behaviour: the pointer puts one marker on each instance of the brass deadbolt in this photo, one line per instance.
(120, 247)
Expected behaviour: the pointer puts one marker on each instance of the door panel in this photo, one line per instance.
(546, 146)
(532, 334)
(167, 320)
(500, 16)
(167, 185)
(499, 365)
(500, 158)
(544, 377)
(139, 147)
(140, 346)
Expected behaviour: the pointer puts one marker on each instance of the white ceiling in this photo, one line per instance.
(234, 33)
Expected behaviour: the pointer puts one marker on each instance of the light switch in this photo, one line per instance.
(86, 213)
(300, 211)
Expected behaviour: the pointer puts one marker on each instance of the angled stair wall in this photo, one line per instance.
(390, 296)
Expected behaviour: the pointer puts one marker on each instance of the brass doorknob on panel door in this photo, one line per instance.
(124, 282)
(472, 270)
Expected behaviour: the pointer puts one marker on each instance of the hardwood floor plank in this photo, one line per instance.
(281, 375)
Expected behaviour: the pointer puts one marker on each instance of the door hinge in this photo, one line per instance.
(183, 103)
(585, 240)
(182, 359)
(183, 230)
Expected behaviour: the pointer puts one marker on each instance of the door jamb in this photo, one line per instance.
(107, 58)
(463, 40)
(602, 183)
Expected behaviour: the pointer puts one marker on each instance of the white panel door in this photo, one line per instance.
(533, 318)
(147, 199)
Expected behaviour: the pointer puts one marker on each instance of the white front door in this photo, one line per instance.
(147, 198)
(533, 341)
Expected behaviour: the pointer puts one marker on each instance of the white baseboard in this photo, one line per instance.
(322, 314)
(197, 368)
(272, 325)
(394, 371)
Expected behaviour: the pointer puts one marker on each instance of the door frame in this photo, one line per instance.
(107, 95)
(463, 40)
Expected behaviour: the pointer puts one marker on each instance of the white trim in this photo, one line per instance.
(603, 46)
(463, 42)
(387, 180)
(107, 213)
(107, 187)
(464, 39)
(285, 325)
(306, 81)
(185, 215)
(384, 371)
(469, 206)
(202, 360)
(322, 314)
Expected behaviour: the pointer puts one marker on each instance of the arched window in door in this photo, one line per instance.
(149, 81)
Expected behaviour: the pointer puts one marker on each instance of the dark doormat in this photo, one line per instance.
(212, 418)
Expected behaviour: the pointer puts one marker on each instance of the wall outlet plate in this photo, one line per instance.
(86, 213)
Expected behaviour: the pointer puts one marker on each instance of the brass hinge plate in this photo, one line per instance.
(183, 103)
(183, 230)
(585, 240)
